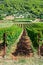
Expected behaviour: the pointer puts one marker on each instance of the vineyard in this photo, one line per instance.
(28, 43)
(21, 32)
(33, 30)
(12, 33)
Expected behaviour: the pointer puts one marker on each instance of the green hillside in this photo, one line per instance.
(34, 8)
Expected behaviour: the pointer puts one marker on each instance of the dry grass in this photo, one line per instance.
(22, 61)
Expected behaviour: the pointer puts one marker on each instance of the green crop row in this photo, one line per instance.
(12, 34)
(35, 30)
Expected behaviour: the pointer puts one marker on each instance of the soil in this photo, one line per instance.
(23, 46)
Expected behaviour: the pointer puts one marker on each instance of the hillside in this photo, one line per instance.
(33, 8)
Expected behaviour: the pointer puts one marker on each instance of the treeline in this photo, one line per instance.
(33, 7)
